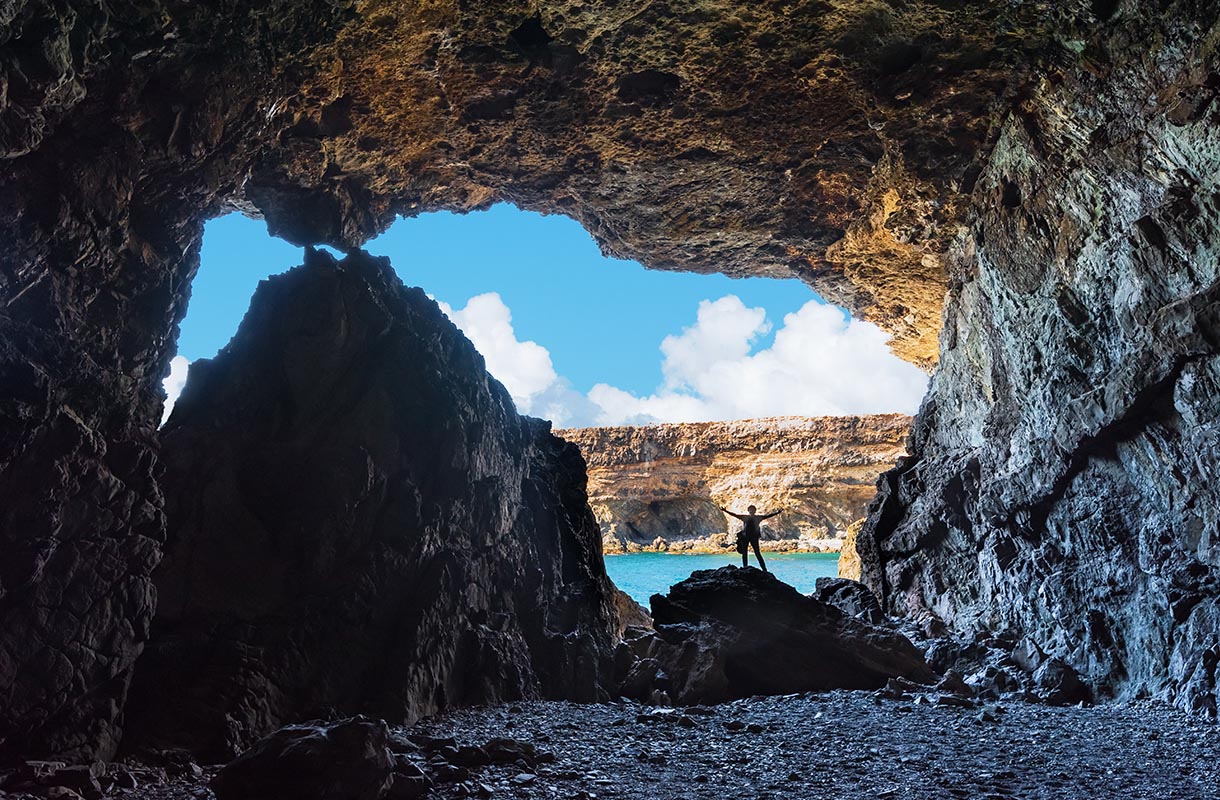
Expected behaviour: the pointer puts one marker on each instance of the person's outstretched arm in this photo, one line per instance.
(730, 513)
(773, 514)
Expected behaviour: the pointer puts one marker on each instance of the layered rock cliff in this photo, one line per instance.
(662, 486)
(359, 520)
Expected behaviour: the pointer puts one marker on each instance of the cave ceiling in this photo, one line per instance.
(832, 141)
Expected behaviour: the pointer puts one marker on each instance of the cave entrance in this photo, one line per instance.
(583, 339)
(588, 341)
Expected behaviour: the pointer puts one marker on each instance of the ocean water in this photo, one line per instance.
(642, 575)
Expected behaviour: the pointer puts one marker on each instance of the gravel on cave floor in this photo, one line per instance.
(832, 746)
(850, 745)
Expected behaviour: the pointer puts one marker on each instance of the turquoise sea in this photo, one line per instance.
(642, 575)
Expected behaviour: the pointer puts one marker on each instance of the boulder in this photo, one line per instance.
(737, 632)
(628, 613)
(347, 760)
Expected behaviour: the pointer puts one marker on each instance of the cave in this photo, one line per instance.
(1023, 195)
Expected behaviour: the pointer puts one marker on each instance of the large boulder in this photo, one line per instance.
(737, 632)
(360, 521)
(347, 760)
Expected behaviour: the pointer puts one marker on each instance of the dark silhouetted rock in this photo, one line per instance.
(850, 597)
(736, 632)
(628, 613)
(347, 760)
(360, 520)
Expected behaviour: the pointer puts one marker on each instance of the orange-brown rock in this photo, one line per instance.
(659, 487)
(831, 140)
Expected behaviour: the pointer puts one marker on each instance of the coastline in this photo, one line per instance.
(718, 544)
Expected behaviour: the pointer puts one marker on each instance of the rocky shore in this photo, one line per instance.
(838, 744)
(659, 488)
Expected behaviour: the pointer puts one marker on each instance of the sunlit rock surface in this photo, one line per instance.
(359, 520)
(659, 486)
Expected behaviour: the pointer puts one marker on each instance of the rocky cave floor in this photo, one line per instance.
(832, 745)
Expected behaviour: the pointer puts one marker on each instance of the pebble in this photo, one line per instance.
(832, 745)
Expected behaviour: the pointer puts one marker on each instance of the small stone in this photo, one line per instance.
(754, 727)
(524, 778)
(734, 725)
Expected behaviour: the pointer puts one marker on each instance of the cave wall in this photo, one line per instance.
(123, 125)
(1063, 479)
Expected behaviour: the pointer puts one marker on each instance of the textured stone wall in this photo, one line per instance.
(667, 482)
(1062, 485)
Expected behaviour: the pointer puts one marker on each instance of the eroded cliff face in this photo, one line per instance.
(661, 486)
(359, 520)
(1062, 485)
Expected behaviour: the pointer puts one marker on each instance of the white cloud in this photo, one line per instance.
(524, 368)
(820, 362)
(173, 384)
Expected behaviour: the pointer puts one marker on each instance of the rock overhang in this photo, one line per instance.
(834, 142)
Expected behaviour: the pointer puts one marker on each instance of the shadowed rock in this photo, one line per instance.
(736, 632)
(360, 520)
(850, 597)
(348, 760)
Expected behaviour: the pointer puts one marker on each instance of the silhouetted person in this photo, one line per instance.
(750, 533)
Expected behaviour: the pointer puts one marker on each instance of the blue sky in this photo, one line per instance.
(583, 339)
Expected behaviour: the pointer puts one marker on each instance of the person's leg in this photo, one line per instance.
(745, 561)
(758, 555)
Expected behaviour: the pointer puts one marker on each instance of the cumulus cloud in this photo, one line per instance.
(524, 367)
(820, 362)
(173, 384)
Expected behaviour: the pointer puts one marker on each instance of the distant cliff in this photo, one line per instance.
(657, 487)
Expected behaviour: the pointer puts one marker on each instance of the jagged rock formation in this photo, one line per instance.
(658, 486)
(733, 632)
(1063, 482)
(1051, 164)
(359, 519)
